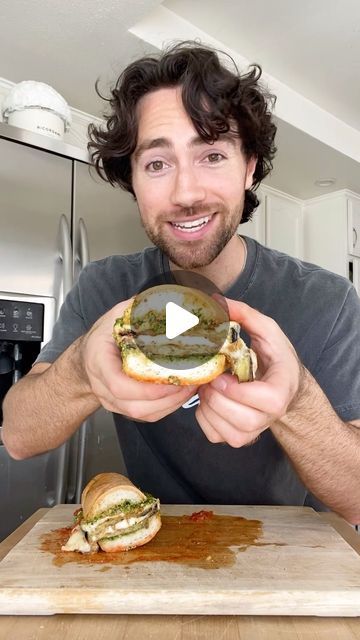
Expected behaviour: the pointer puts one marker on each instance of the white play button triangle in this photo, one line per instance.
(178, 320)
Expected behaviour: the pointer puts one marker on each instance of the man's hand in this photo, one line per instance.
(238, 413)
(101, 362)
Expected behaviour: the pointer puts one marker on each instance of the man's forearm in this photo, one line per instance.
(324, 450)
(44, 409)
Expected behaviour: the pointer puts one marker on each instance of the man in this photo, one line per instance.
(191, 140)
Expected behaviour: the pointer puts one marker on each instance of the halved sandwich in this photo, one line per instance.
(194, 357)
(115, 516)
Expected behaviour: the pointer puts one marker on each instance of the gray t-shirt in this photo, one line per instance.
(172, 458)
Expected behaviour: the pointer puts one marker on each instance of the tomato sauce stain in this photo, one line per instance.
(202, 539)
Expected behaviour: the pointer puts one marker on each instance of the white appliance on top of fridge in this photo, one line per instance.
(55, 215)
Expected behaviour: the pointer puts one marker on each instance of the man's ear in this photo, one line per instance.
(250, 169)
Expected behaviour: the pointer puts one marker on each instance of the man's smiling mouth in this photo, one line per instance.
(192, 225)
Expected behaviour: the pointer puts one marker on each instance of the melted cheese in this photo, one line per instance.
(77, 541)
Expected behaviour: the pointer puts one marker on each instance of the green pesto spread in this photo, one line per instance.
(125, 507)
(154, 321)
(144, 524)
(128, 346)
(182, 358)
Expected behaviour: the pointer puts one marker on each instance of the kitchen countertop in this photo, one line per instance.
(176, 627)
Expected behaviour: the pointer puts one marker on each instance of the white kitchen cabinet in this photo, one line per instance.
(283, 224)
(353, 219)
(277, 223)
(332, 232)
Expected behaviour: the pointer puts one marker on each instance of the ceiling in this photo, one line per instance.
(311, 46)
(309, 51)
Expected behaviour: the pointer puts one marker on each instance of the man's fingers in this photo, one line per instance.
(125, 387)
(212, 434)
(269, 395)
(140, 408)
(120, 385)
(217, 429)
(240, 416)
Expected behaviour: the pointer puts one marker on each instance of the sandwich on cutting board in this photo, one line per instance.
(114, 516)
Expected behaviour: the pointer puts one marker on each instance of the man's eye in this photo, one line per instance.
(156, 165)
(215, 157)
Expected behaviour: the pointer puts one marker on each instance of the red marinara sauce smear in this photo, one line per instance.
(200, 516)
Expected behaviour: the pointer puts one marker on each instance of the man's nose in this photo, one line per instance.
(187, 188)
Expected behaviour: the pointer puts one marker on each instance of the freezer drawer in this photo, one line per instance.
(94, 449)
(25, 486)
(103, 451)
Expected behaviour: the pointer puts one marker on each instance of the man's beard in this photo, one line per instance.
(192, 255)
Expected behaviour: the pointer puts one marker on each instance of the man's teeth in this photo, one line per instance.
(194, 225)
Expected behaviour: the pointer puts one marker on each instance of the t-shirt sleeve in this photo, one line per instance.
(69, 326)
(338, 368)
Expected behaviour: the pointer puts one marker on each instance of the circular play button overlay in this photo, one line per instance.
(179, 326)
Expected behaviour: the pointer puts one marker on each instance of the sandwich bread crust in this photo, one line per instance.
(132, 540)
(105, 491)
(115, 516)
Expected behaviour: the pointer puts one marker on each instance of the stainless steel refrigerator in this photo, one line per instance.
(55, 216)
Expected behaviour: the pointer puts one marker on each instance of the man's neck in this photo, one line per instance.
(222, 271)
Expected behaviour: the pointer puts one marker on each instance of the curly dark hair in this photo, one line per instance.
(214, 97)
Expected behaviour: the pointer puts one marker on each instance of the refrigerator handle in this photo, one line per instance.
(81, 462)
(61, 474)
(84, 252)
(65, 256)
(77, 471)
(77, 464)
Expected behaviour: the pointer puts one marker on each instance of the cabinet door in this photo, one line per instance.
(353, 212)
(325, 233)
(283, 226)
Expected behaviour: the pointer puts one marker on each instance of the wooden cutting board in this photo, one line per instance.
(237, 560)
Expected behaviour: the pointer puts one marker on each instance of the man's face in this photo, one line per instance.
(190, 193)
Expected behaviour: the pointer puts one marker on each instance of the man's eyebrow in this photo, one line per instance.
(223, 137)
(157, 143)
(151, 144)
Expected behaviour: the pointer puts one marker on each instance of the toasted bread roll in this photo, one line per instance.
(115, 516)
(195, 357)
